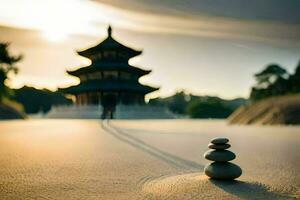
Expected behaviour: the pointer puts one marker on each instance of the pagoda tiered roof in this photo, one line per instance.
(109, 85)
(125, 67)
(116, 63)
(109, 44)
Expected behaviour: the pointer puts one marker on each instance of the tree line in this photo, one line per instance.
(184, 104)
(273, 80)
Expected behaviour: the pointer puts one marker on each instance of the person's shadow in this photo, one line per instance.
(248, 190)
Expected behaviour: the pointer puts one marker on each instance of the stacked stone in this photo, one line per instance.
(221, 168)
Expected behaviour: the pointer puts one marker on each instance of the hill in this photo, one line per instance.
(273, 110)
(194, 106)
(8, 112)
(35, 100)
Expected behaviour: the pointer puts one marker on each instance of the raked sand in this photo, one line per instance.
(143, 159)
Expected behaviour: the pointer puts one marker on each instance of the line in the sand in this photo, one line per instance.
(149, 149)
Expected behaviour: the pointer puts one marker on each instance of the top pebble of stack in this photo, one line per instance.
(220, 141)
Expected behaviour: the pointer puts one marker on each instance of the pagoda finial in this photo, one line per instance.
(109, 30)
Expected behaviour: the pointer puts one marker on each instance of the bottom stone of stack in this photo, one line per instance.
(223, 170)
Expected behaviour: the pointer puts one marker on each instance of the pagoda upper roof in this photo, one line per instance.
(109, 44)
(125, 67)
(109, 85)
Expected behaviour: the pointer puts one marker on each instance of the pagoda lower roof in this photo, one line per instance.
(108, 85)
(125, 67)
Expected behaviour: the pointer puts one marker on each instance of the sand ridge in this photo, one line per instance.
(199, 186)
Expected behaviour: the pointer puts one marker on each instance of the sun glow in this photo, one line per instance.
(60, 21)
(55, 19)
(54, 36)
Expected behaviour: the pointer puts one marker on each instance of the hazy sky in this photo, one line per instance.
(203, 46)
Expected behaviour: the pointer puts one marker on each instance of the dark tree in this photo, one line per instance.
(295, 80)
(270, 75)
(208, 109)
(179, 102)
(7, 65)
(271, 81)
(275, 80)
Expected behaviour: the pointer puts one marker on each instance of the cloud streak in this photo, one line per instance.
(88, 18)
(210, 26)
(285, 11)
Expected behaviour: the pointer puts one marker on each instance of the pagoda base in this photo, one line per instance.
(121, 112)
(142, 112)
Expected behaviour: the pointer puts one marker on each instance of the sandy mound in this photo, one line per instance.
(7, 112)
(275, 110)
(198, 186)
(142, 159)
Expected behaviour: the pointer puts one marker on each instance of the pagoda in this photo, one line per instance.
(109, 80)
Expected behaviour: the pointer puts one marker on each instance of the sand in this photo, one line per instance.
(272, 110)
(143, 159)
